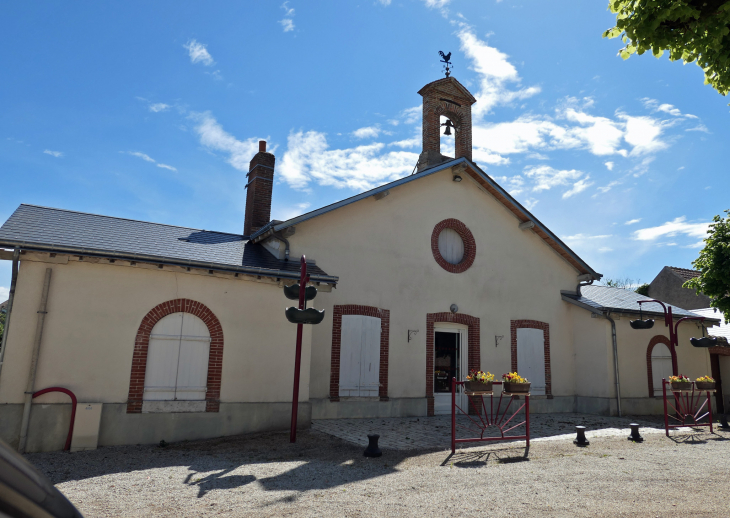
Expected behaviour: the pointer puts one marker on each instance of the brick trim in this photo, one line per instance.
(533, 324)
(142, 342)
(658, 339)
(368, 311)
(470, 246)
(473, 346)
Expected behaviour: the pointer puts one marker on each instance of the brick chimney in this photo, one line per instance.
(258, 190)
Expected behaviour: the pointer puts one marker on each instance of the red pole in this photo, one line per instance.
(453, 415)
(673, 341)
(298, 359)
(664, 395)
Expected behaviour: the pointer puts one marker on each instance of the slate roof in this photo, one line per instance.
(604, 298)
(684, 273)
(46, 229)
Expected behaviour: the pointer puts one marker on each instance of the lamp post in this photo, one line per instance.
(673, 336)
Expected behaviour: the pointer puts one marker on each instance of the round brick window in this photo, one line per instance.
(453, 245)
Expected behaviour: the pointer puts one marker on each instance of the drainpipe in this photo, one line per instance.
(615, 361)
(11, 298)
(34, 362)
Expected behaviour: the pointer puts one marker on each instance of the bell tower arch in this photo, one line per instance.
(451, 99)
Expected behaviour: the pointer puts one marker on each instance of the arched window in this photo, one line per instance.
(177, 365)
(661, 366)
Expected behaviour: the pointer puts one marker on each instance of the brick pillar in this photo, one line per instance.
(258, 190)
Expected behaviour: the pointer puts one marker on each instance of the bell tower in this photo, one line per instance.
(451, 99)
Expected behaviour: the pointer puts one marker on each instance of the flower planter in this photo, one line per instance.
(705, 385)
(681, 386)
(477, 387)
(516, 388)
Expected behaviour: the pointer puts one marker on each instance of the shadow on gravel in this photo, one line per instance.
(316, 462)
(698, 438)
(480, 459)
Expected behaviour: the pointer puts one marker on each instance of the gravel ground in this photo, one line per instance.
(321, 475)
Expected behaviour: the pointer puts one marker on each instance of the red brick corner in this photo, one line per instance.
(142, 342)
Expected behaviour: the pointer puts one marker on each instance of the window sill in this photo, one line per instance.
(159, 407)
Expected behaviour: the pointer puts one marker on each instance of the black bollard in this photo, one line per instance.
(372, 450)
(581, 440)
(723, 422)
(635, 433)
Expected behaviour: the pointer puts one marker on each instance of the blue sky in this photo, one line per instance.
(152, 111)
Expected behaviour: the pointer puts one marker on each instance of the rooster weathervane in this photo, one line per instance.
(446, 58)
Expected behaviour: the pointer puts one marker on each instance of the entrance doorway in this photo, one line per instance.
(450, 361)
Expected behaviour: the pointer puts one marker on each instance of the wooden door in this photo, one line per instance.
(359, 356)
(531, 358)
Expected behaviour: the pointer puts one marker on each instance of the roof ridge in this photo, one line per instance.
(126, 219)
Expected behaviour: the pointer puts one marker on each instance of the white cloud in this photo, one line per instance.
(407, 143)
(656, 106)
(199, 53)
(213, 136)
(148, 158)
(57, 154)
(671, 229)
(579, 186)
(412, 115)
(514, 184)
(366, 132)
(158, 107)
(604, 189)
(643, 134)
(601, 135)
(309, 159)
(546, 177)
(609, 166)
(604, 249)
(287, 22)
(530, 203)
(632, 221)
(384, 2)
(436, 4)
(699, 127)
(495, 73)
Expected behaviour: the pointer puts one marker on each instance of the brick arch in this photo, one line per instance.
(142, 342)
(533, 324)
(473, 346)
(470, 246)
(460, 116)
(658, 339)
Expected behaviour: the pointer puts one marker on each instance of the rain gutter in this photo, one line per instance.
(91, 252)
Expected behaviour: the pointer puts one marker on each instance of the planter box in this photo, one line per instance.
(516, 388)
(477, 387)
(705, 385)
(681, 386)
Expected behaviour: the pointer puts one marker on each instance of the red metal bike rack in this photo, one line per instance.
(73, 409)
(687, 408)
(488, 419)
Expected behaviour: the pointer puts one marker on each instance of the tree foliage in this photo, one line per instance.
(625, 283)
(642, 289)
(714, 266)
(690, 30)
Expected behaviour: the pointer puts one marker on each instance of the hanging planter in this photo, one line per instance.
(705, 341)
(292, 292)
(513, 383)
(705, 383)
(304, 316)
(680, 383)
(641, 323)
(478, 383)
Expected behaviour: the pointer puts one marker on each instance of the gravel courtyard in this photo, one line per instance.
(323, 475)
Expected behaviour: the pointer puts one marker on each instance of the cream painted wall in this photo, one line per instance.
(594, 367)
(381, 250)
(94, 311)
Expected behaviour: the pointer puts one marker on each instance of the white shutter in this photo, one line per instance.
(531, 358)
(162, 359)
(359, 356)
(661, 366)
(350, 348)
(370, 357)
(192, 372)
(451, 246)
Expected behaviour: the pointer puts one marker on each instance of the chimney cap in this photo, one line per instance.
(262, 146)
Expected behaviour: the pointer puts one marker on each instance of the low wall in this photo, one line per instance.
(49, 423)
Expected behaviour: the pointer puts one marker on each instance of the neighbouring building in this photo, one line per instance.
(180, 333)
(667, 286)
